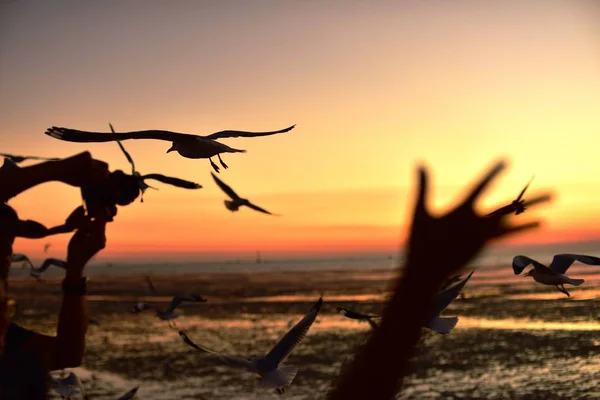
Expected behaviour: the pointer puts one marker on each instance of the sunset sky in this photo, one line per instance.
(374, 88)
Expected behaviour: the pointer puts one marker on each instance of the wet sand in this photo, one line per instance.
(514, 339)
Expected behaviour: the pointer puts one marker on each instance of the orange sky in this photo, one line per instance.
(374, 88)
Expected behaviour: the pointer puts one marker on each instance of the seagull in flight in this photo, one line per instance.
(37, 273)
(518, 205)
(68, 387)
(158, 177)
(169, 313)
(554, 274)
(236, 201)
(187, 145)
(445, 296)
(22, 258)
(271, 368)
(129, 395)
(359, 316)
(19, 159)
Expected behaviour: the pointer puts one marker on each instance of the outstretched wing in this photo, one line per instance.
(127, 155)
(48, 262)
(224, 187)
(524, 189)
(446, 296)
(151, 286)
(562, 262)
(74, 135)
(354, 314)
(536, 200)
(294, 336)
(234, 134)
(69, 386)
(176, 301)
(169, 180)
(520, 262)
(129, 395)
(262, 210)
(232, 361)
(17, 159)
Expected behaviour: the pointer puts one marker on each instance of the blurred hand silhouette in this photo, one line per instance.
(81, 168)
(452, 240)
(437, 247)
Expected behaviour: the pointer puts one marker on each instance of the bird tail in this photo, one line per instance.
(576, 282)
(443, 325)
(231, 206)
(280, 377)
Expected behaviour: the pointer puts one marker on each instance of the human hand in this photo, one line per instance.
(76, 219)
(450, 241)
(88, 240)
(81, 169)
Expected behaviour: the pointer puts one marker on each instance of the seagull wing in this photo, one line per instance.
(48, 262)
(18, 159)
(74, 135)
(234, 134)
(151, 286)
(446, 296)
(524, 189)
(129, 395)
(294, 336)
(521, 262)
(262, 210)
(169, 180)
(69, 385)
(224, 187)
(127, 155)
(232, 361)
(562, 262)
(177, 300)
(354, 314)
(536, 200)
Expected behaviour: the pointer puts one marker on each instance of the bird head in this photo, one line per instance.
(174, 147)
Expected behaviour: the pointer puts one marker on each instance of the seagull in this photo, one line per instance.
(169, 313)
(37, 273)
(442, 300)
(554, 274)
(158, 177)
(518, 205)
(236, 201)
(22, 258)
(46, 247)
(129, 395)
(187, 145)
(68, 387)
(359, 316)
(274, 374)
(19, 159)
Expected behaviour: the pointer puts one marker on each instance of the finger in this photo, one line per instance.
(485, 182)
(539, 199)
(514, 229)
(423, 189)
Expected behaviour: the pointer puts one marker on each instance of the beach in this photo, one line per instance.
(514, 339)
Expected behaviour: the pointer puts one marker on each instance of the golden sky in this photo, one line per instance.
(374, 88)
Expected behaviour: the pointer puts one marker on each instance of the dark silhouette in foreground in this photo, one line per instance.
(236, 201)
(554, 274)
(437, 247)
(19, 159)
(187, 145)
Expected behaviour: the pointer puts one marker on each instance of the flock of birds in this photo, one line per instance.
(273, 372)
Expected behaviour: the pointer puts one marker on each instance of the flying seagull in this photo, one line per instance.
(169, 313)
(445, 296)
(518, 205)
(158, 177)
(68, 387)
(22, 258)
(187, 145)
(19, 159)
(37, 273)
(359, 316)
(442, 300)
(554, 274)
(129, 395)
(274, 374)
(236, 201)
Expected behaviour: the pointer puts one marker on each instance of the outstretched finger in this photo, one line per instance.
(539, 199)
(485, 182)
(422, 191)
(514, 229)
